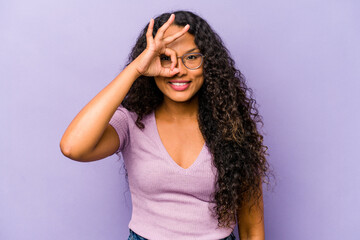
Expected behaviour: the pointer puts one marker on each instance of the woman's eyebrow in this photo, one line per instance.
(191, 50)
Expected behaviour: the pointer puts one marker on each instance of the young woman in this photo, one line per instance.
(184, 121)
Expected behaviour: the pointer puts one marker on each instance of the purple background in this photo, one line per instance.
(300, 57)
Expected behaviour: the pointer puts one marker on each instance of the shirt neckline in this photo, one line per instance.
(165, 152)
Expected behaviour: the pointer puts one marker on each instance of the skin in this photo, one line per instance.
(251, 223)
(176, 118)
(177, 125)
(181, 99)
(89, 136)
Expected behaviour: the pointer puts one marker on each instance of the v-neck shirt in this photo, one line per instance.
(165, 152)
(168, 201)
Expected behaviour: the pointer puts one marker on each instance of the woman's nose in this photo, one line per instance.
(180, 65)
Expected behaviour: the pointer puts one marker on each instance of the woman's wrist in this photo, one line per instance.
(133, 68)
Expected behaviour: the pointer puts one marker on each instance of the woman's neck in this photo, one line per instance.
(178, 111)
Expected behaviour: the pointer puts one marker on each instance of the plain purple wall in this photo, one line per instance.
(300, 57)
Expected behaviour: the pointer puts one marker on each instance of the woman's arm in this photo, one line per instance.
(251, 223)
(89, 136)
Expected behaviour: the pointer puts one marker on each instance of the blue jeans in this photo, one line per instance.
(134, 236)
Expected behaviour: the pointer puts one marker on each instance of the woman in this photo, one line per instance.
(181, 117)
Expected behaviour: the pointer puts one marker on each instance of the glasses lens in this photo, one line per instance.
(193, 60)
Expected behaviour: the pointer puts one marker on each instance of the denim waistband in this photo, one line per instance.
(134, 236)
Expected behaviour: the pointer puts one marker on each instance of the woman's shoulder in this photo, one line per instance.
(122, 112)
(131, 116)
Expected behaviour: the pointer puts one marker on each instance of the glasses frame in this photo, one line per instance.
(187, 54)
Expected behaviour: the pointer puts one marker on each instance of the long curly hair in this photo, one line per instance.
(227, 116)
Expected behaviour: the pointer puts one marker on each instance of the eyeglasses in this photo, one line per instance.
(191, 61)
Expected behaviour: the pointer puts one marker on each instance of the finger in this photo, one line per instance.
(166, 25)
(167, 72)
(149, 37)
(173, 57)
(171, 38)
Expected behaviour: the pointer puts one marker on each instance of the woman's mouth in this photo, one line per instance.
(180, 86)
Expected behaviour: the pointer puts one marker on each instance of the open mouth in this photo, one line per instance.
(180, 86)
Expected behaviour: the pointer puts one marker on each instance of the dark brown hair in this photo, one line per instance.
(228, 118)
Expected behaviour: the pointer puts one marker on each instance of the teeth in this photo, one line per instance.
(179, 84)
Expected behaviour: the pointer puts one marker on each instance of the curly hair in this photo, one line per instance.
(227, 116)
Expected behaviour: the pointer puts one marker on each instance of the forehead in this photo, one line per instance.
(183, 43)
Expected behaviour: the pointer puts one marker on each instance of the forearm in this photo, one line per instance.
(251, 220)
(252, 238)
(87, 127)
(254, 234)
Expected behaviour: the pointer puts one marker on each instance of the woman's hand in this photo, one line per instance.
(148, 62)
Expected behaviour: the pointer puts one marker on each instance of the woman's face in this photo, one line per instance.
(184, 44)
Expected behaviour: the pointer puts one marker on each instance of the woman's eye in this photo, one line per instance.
(164, 58)
(192, 57)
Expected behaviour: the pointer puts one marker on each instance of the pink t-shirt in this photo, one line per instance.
(169, 202)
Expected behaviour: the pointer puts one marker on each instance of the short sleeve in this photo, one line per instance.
(121, 125)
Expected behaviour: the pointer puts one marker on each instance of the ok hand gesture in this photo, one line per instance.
(148, 62)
